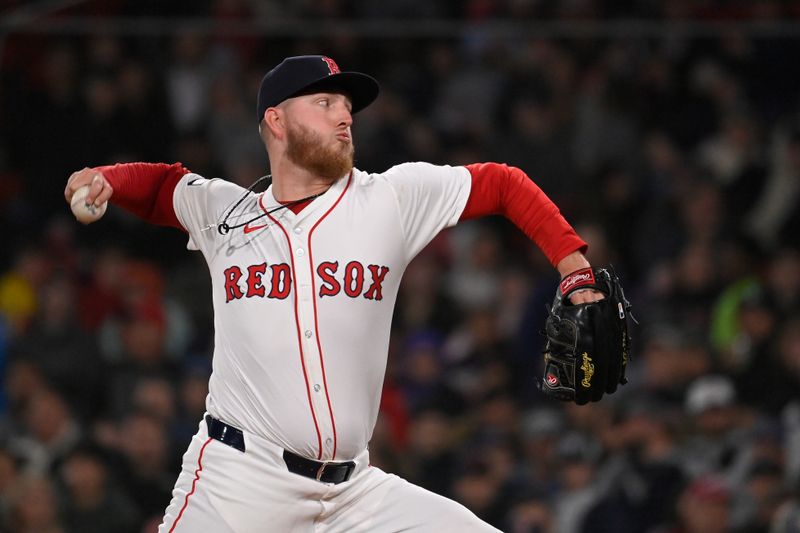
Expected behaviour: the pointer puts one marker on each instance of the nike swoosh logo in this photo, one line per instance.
(197, 181)
(249, 229)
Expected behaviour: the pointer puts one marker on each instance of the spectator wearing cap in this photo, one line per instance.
(720, 429)
(708, 393)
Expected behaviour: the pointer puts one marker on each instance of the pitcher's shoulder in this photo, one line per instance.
(397, 172)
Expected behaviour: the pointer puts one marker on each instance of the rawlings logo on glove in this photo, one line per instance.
(579, 279)
(588, 344)
(588, 371)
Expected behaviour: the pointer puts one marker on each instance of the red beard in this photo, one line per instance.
(306, 149)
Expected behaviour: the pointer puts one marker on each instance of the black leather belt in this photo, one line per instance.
(324, 471)
(219, 430)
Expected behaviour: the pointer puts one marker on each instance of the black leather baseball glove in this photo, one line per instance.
(588, 345)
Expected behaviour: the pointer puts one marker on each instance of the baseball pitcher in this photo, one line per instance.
(304, 281)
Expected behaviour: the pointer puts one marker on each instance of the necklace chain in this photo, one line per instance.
(223, 228)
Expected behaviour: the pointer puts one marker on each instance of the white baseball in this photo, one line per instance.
(83, 212)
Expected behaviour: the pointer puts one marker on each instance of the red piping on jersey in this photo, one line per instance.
(314, 299)
(297, 325)
(194, 484)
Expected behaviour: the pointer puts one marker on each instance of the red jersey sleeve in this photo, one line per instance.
(146, 189)
(502, 190)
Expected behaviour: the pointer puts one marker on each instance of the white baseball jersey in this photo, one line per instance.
(303, 302)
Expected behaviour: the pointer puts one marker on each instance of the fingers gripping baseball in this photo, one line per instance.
(94, 191)
(100, 190)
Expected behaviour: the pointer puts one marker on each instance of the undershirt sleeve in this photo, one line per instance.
(146, 189)
(502, 190)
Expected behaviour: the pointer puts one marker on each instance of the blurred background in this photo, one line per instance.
(668, 131)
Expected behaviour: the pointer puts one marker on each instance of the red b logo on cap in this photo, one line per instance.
(333, 68)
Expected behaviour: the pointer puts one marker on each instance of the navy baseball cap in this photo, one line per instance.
(298, 74)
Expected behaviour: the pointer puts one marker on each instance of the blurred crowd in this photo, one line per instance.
(676, 156)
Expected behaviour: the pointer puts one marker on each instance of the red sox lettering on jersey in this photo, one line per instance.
(352, 281)
(303, 301)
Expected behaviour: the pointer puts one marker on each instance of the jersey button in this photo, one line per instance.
(300, 252)
(328, 441)
(298, 230)
(308, 333)
(316, 387)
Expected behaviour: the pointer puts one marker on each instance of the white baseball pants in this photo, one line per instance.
(223, 490)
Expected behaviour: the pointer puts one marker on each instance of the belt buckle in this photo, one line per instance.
(321, 470)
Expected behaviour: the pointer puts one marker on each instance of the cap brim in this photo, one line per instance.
(361, 88)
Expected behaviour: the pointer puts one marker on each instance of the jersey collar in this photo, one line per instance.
(319, 205)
